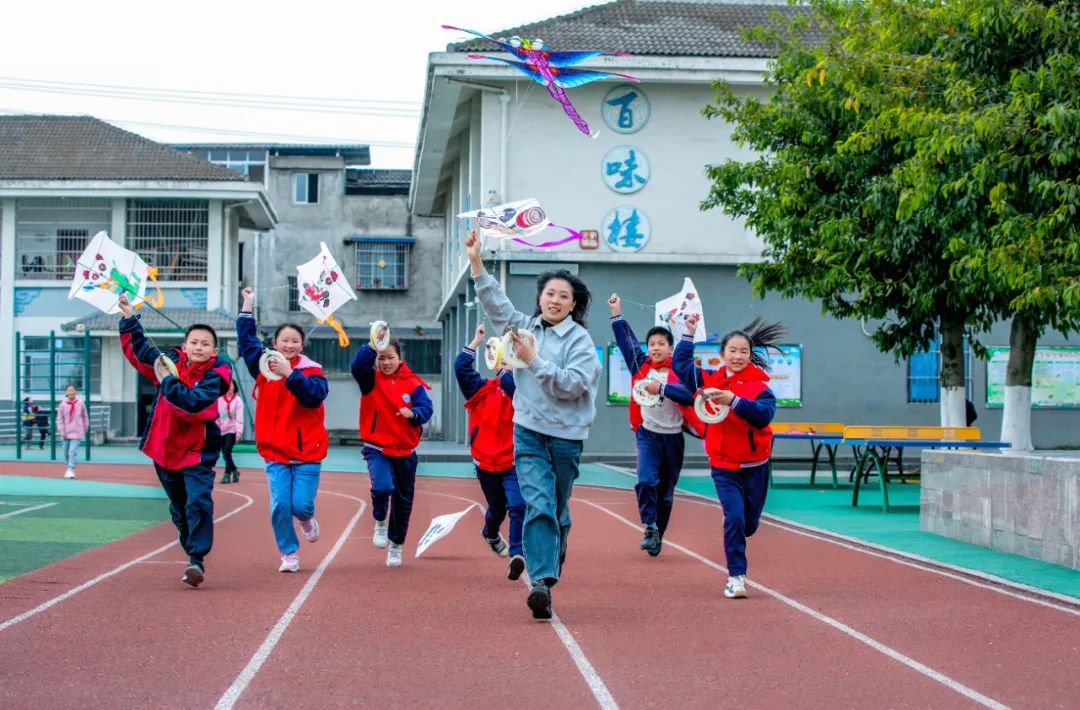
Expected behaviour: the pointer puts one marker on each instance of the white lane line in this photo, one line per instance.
(234, 691)
(908, 559)
(828, 620)
(13, 513)
(115, 571)
(588, 672)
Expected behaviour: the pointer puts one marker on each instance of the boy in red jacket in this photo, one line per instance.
(739, 445)
(182, 436)
(393, 409)
(491, 440)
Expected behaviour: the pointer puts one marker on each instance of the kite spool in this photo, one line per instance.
(643, 397)
(493, 353)
(708, 411)
(164, 366)
(377, 342)
(509, 356)
(264, 364)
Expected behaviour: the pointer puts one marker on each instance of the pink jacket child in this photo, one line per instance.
(72, 421)
(230, 415)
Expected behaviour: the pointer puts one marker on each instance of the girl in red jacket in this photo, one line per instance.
(393, 408)
(739, 445)
(290, 433)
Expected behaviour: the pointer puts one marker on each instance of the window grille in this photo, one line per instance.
(382, 266)
(306, 188)
(924, 374)
(294, 295)
(171, 235)
(50, 233)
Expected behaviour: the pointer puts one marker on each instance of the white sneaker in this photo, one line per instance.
(736, 587)
(70, 473)
(310, 529)
(381, 537)
(393, 555)
(290, 563)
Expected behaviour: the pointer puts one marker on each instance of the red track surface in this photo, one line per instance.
(450, 630)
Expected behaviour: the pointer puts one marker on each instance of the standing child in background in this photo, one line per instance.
(72, 423)
(231, 422)
(393, 409)
(491, 440)
(738, 446)
(182, 437)
(658, 431)
(290, 429)
(28, 417)
(41, 419)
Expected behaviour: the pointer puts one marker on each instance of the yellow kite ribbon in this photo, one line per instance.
(342, 338)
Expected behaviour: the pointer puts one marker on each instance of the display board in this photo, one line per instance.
(1055, 377)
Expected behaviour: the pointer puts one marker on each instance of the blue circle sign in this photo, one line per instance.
(625, 169)
(626, 109)
(626, 229)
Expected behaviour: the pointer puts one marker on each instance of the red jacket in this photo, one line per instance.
(381, 425)
(734, 443)
(690, 418)
(491, 427)
(285, 429)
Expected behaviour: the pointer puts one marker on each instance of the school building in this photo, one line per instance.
(490, 135)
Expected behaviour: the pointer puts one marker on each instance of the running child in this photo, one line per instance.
(182, 436)
(658, 430)
(290, 429)
(72, 423)
(394, 407)
(738, 446)
(490, 403)
(231, 422)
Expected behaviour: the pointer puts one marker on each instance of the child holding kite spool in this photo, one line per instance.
(490, 403)
(290, 429)
(737, 405)
(182, 436)
(393, 409)
(660, 409)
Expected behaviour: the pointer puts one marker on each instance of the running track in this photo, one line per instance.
(825, 624)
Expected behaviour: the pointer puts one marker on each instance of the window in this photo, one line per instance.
(70, 365)
(383, 264)
(306, 188)
(50, 234)
(171, 235)
(251, 163)
(334, 359)
(294, 295)
(924, 374)
(423, 355)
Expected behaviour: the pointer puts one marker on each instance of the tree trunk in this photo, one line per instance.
(1016, 421)
(953, 392)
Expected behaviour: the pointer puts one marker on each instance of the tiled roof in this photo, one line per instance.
(379, 178)
(649, 27)
(158, 321)
(86, 148)
(353, 153)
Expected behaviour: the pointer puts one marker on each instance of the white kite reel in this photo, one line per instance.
(709, 411)
(493, 353)
(380, 342)
(509, 356)
(264, 364)
(642, 397)
(164, 366)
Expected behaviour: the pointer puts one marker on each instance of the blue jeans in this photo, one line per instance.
(659, 463)
(503, 496)
(547, 467)
(292, 495)
(742, 496)
(191, 507)
(71, 452)
(393, 483)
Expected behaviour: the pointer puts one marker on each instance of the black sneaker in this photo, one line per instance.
(194, 574)
(236, 476)
(224, 477)
(497, 545)
(539, 600)
(651, 542)
(517, 566)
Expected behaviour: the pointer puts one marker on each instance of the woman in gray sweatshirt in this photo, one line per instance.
(553, 409)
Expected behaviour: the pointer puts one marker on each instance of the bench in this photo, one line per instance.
(872, 444)
(820, 435)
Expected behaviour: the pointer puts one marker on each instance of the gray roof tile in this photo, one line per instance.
(158, 321)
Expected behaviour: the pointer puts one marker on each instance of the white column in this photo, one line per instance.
(7, 298)
(118, 231)
(214, 247)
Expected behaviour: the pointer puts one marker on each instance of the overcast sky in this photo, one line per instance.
(368, 65)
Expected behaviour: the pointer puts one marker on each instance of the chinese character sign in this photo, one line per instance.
(626, 229)
(626, 169)
(625, 109)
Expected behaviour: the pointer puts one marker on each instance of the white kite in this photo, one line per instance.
(516, 220)
(673, 310)
(324, 289)
(440, 527)
(105, 270)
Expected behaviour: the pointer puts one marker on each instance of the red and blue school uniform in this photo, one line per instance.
(290, 434)
(738, 447)
(658, 431)
(390, 440)
(182, 436)
(490, 404)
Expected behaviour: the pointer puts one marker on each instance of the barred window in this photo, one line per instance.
(924, 374)
(50, 233)
(171, 234)
(382, 265)
(294, 295)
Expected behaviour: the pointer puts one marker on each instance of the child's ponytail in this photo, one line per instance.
(762, 337)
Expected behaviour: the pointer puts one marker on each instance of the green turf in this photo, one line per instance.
(37, 486)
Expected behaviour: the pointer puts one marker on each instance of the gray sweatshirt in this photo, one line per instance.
(555, 392)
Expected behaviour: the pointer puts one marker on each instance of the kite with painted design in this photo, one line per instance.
(517, 220)
(324, 289)
(105, 270)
